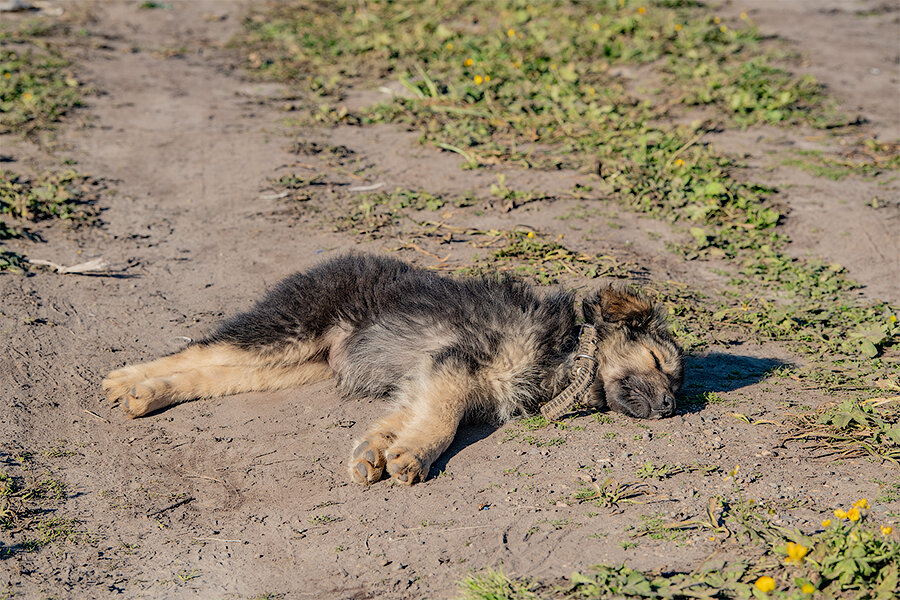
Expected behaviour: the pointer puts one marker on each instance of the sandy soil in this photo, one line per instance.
(248, 495)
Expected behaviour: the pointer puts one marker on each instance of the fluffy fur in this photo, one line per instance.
(442, 350)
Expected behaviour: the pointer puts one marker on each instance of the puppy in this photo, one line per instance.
(440, 349)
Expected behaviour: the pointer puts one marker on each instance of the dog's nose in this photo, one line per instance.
(668, 403)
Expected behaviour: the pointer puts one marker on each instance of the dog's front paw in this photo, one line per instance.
(404, 466)
(367, 463)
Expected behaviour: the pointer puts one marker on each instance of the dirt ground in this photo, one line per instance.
(248, 495)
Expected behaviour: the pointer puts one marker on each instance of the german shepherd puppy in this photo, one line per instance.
(441, 349)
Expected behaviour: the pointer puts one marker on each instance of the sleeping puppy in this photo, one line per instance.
(440, 349)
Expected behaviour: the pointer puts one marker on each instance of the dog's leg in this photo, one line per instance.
(367, 460)
(212, 382)
(211, 370)
(435, 409)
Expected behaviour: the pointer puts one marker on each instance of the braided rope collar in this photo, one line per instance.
(583, 372)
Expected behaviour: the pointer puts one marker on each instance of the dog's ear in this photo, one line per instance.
(614, 306)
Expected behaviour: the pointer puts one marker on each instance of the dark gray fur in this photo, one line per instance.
(397, 315)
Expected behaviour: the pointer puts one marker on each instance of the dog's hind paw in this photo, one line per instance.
(119, 383)
(148, 396)
(404, 466)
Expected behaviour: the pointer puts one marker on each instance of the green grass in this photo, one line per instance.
(518, 74)
(12, 261)
(868, 159)
(494, 585)
(844, 559)
(59, 195)
(57, 531)
(533, 256)
(37, 83)
(64, 195)
(37, 88)
(30, 498)
(850, 429)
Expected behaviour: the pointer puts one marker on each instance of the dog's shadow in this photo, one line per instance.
(707, 374)
(467, 434)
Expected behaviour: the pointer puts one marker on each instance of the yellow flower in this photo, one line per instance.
(840, 514)
(862, 503)
(765, 584)
(478, 79)
(743, 16)
(487, 78)
(853, 514)
(717, 20)
(449, 45)
(468, 62)
(531, 234)
(679, 162)
(642, 11)
(796, 552)
(517, 64)
(7, 75)
(893, 318)
(826, 523)
(678, 27)
(594, 26)
(723, 29)
(510, 33)
(553, 67)
(808, 588)
(886, 530)
(27, 97)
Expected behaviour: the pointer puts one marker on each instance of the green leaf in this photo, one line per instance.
(713, 189)
(867, 348)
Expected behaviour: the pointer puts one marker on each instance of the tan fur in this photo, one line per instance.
(209, 372)
(407, 442)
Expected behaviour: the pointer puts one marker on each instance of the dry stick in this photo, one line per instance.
(366, 188)
(93, 414)
(450, 529)
(275, 196)
(204, 477)
(170, 507)
(98, 264)
(212, 539)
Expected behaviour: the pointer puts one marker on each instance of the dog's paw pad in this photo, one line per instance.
(366, 464)
(405, 467)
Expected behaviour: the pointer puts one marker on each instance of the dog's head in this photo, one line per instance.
(640, 368)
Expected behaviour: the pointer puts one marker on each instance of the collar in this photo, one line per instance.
(583, 371)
